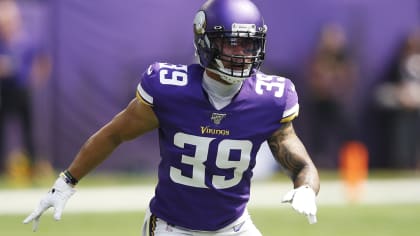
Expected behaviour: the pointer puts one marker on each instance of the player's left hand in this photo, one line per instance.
(303, 200)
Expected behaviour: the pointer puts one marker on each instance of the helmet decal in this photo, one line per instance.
(200, 23)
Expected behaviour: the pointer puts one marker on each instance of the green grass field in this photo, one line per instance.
(350, 220)
(343, 220)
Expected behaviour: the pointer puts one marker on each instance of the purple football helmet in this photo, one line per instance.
(229, 36)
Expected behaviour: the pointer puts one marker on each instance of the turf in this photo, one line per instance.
(350, 220)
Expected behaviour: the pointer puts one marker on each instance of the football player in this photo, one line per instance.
(212, 118)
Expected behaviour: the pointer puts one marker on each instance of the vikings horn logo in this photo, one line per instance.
(200, 22)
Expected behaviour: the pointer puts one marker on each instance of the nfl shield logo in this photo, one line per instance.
(217, 117)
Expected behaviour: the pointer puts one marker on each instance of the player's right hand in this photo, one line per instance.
(57, 198)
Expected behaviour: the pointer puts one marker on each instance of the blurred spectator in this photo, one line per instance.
(22, 66)
(399, 98)
(330, 79)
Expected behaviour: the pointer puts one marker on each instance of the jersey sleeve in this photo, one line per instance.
(291, 107)
(145, 88)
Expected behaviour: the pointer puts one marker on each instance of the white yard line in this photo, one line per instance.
(136, 198)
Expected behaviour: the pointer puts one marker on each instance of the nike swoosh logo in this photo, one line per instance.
(236, 228)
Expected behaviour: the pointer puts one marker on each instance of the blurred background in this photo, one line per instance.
(68, 66)
(76, 63)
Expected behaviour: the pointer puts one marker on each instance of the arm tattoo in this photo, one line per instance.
(292, 155)
(283, 154)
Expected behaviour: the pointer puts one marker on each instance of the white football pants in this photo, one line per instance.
(154, 226)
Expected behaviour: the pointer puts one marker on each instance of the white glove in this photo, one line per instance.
(56, 197)
(303, 200)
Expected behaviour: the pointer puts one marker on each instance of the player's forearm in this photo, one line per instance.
(308, 175)
(289, 151)
(95, 150)
(293, 156)
(130, 123)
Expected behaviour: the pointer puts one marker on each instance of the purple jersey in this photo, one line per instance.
(207, 155)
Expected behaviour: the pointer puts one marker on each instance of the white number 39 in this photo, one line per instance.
(202, 144)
